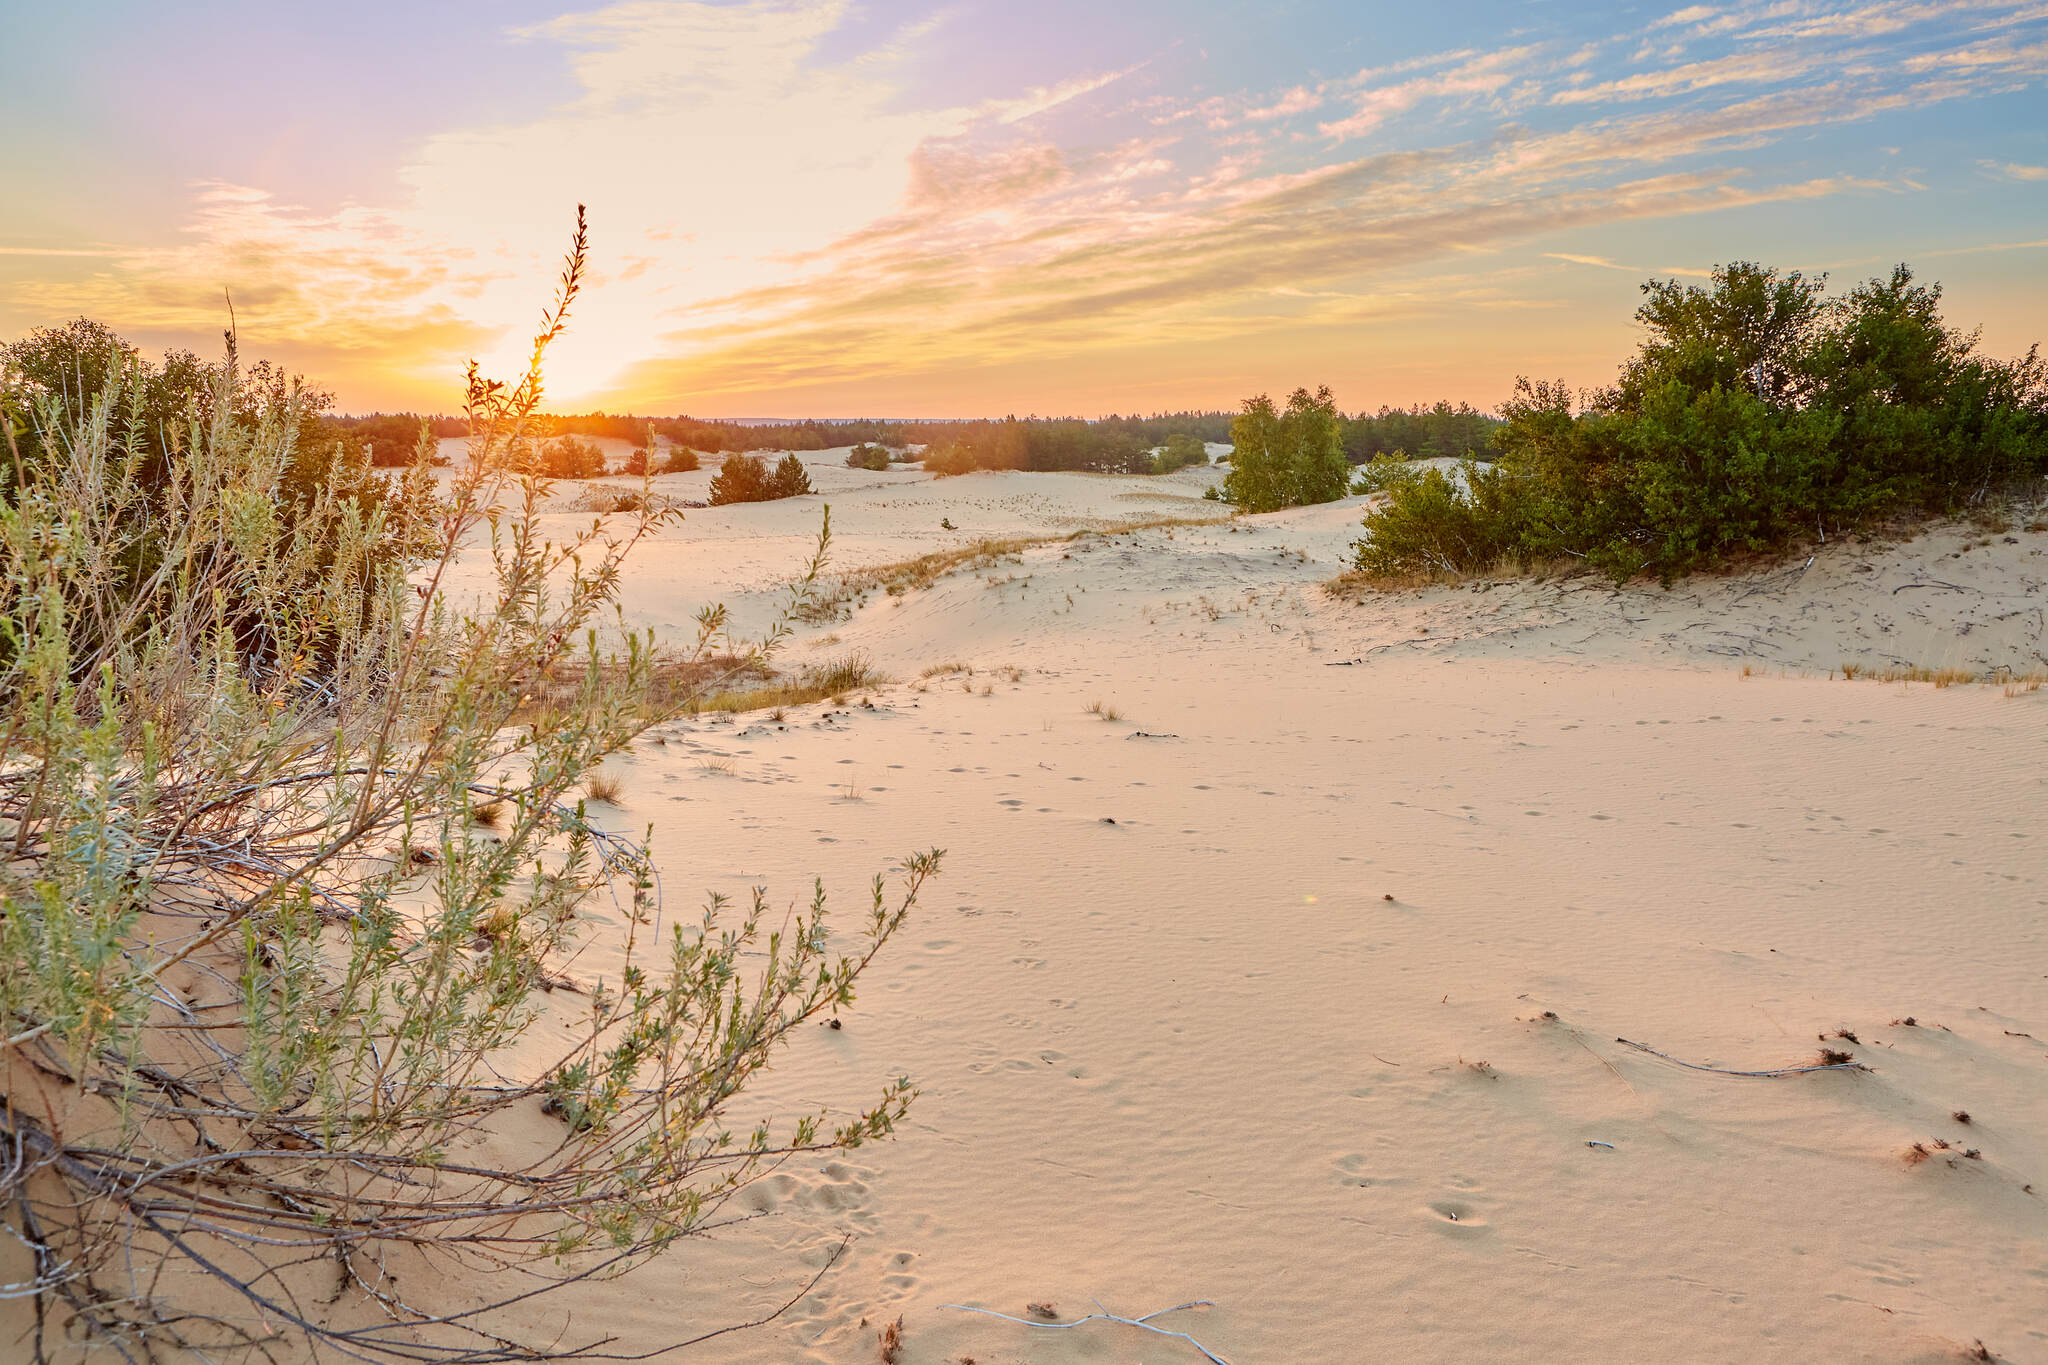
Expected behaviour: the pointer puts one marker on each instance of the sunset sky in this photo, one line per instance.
(907, 208)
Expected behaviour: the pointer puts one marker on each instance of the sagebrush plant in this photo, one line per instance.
(287, 898)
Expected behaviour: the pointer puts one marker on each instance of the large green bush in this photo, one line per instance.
(1757, 414)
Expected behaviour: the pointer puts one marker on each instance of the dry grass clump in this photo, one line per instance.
(673, 685)
(605, 787)
(605, 501)
(2014, 683)
(1108, 713)
(819, 682)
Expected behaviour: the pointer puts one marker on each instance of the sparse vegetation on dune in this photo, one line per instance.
(912, 575)
(292, 849)
(2013, 682)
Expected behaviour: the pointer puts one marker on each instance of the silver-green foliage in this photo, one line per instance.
(279, 1009)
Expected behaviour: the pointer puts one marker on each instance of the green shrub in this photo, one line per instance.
(82, 387)
(1180, 452)
(565, 457)
(1757, 413)
(273, 994)
(790, 479)
(867, 455)
(681, 460)
(747, 478)
(1433, 527)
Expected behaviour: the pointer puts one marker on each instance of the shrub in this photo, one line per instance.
(263, 973)
(1287, 459)
(867, 455)
(742, 478)
(681, 460)
(82, 387)
(1179, 452)
(1434, 527)
(747, 478)
(565, 457)
(950, 459)
(790, 479)
(1757, 412)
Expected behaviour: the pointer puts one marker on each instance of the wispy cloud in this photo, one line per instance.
(2013, 170)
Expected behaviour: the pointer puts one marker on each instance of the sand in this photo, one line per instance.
(1247, 996)
(1285, 940)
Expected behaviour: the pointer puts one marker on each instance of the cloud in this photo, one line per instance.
(1691, 14)
(1747, 68)
(2012, 170)
(1481, 75)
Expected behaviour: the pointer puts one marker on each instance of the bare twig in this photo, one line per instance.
(1106, 1316)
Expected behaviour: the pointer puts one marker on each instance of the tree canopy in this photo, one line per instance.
(1287, 458)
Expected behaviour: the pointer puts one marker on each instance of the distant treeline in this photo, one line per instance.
(1419, 433)
(1113, 444)
(389, 437)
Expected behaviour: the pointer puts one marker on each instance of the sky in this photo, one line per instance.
(975, 207)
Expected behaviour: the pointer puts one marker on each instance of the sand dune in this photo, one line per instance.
(1297, 987)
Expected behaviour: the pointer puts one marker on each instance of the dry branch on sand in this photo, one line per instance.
(1104, 1315)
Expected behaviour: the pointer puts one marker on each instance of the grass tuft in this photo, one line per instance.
(817, 683)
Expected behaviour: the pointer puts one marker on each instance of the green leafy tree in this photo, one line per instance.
(1287, 459)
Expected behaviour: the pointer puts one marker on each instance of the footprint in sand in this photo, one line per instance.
(769, 1193)
(838, 1189)
(1455, 1218)
(1354, 1169)
(899, 1282)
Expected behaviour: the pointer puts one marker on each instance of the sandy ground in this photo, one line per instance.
(1296, 986)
